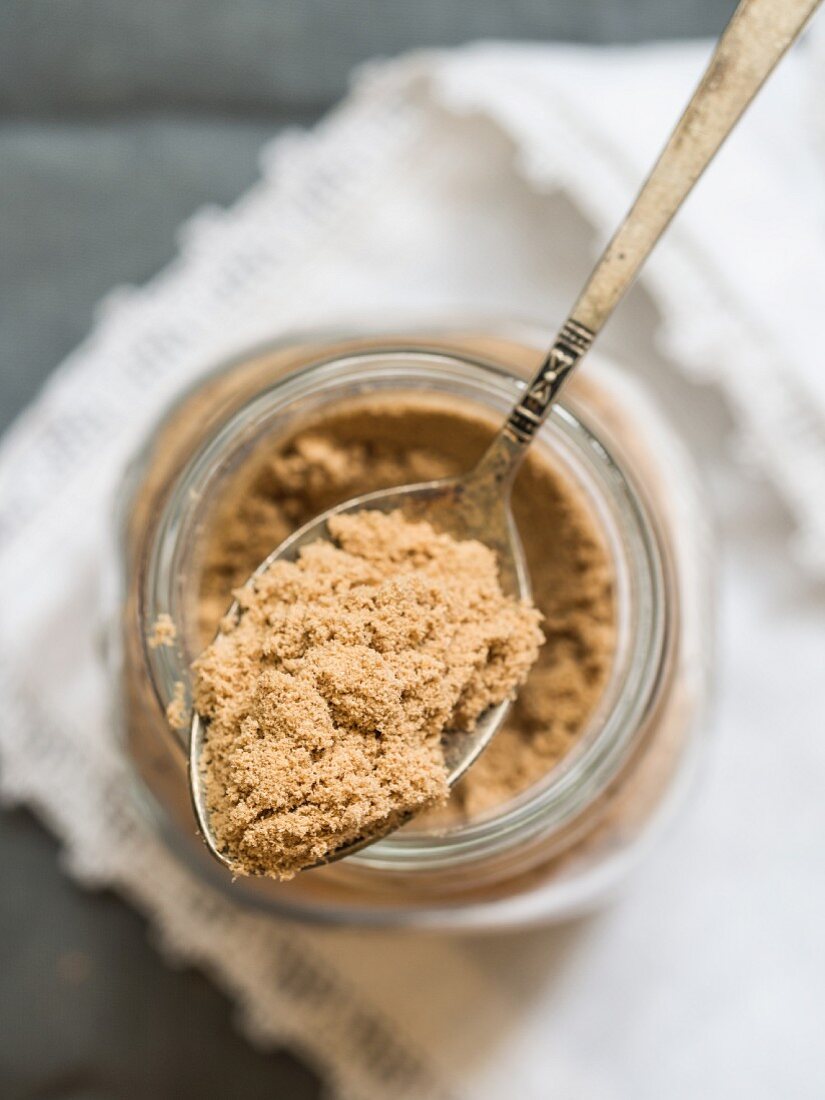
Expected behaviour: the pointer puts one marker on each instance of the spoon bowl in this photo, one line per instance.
(456, 506)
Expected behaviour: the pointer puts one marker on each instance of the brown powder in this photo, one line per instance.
(328, 697)
(163, 631)
(373, 443)
(177, 712)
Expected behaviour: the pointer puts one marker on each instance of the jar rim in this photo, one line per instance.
(544, 808)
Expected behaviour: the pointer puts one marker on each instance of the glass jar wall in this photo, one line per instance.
(562, 843)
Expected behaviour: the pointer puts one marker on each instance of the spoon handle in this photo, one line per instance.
(756, 38)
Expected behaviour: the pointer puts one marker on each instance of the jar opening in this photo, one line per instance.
(545, 808)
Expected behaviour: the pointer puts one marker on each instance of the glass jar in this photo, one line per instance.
(558, 847)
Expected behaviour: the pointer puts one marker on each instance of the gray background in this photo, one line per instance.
(117, 120)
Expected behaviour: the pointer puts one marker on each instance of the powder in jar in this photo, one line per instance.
(374, 442)
(328, 696)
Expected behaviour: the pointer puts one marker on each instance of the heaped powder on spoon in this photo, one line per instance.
(375, 442)
(328, 698)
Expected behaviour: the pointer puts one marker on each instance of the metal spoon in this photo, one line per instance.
(477, 505)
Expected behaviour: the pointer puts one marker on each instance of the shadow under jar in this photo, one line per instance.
(556, 843)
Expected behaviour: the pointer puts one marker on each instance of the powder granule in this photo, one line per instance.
(177, 713)
(163, 632)
(327, 700)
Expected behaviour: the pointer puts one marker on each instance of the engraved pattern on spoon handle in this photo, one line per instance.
(570, 345)
(754, 41)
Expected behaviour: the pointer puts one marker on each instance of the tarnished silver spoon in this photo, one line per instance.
(477, 505)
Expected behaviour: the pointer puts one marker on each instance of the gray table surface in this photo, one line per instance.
(117, 120)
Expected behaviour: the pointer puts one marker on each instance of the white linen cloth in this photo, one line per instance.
(487, 178)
